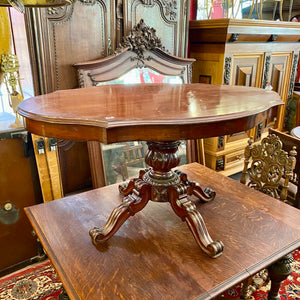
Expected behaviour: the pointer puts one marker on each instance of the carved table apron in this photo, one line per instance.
(161, 114)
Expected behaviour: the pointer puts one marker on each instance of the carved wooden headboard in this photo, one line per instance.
(140, 49)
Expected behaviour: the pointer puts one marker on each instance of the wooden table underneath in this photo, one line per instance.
(153, 255)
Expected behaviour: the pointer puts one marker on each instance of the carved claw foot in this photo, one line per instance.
(188, 212)
(131, 204)
(194, 188)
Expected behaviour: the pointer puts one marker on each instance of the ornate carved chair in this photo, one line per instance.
(270, 172)
(270, 164)
(288, 142)
(140, 58)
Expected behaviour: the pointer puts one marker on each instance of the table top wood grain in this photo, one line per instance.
(115, 113)
(154, 255)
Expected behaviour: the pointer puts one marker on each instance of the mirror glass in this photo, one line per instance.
(143, 75)
(124, 160)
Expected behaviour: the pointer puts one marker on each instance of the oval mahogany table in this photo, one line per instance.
(161, 114)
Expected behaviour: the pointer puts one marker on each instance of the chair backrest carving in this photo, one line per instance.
(271, 166)
(288, 142)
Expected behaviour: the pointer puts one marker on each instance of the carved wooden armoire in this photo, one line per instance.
(246, 52)
(87, 30)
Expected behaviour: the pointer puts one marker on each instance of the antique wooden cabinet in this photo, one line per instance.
(19, 188)
(244, 52)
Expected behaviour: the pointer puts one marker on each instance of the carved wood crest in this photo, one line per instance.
(141, 39)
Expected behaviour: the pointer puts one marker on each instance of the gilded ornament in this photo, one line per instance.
(10, 70)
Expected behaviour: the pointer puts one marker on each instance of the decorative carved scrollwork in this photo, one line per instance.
(266, 71)
(87, 1)
(147, 2)
(170, 9)
(293, 75)
(140, 39)
(221, 142)
(227, 70)
(220, 164)
(80, 79)
(269, 165)
(55, 11)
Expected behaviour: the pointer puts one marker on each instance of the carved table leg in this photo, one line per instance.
(278, 272)
(131, 204)
(159, 183)
(193, 188)
(188, 212)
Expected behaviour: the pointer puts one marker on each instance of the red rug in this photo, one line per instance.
(289, 290)
(41, 283)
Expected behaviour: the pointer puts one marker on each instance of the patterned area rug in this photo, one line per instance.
(41, 282)
(289, 290)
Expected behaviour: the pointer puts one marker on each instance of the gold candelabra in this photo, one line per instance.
(10, 70)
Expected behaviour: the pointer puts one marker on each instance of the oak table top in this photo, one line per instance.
(116, 113)
(153, 256)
